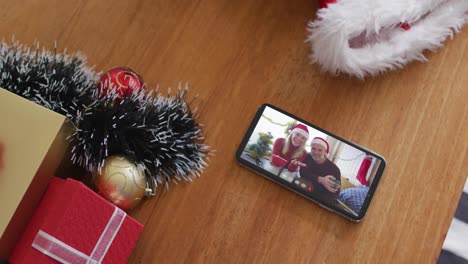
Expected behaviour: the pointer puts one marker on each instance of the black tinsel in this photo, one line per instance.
(158, 132)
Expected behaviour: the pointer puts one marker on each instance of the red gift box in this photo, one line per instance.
(73, 222)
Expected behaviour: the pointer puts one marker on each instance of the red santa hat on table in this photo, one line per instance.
(322, 142)
(367, 37)
(324, 3)
(300, 129)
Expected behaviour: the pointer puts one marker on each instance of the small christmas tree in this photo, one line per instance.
(262, 148)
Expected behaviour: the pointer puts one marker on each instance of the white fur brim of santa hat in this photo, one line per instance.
(322, 142)
(384, 45)
(301, 129)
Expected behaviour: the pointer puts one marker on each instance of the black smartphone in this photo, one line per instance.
(319, 165)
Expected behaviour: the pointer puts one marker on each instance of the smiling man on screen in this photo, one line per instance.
(323, 174)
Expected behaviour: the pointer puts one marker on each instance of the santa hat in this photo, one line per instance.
(367, 37)
(300, 129)
(324, 3)
(322, 142)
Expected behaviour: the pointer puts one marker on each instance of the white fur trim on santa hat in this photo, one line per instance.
(431, 21)
(300, 131)
(321, 142)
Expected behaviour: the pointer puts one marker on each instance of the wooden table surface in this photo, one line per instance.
(236, 55)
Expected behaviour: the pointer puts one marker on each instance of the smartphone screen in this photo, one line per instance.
(336, 173)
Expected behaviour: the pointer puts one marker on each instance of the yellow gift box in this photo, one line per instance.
(32, 146)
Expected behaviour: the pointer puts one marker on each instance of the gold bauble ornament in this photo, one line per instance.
(121, 182)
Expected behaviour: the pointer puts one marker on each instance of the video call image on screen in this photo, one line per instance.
(323, 167)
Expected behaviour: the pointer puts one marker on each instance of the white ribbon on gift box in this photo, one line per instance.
(63, 253)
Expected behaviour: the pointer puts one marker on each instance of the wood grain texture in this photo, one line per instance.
(237, 55)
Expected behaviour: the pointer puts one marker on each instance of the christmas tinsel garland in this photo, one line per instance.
(159, 133)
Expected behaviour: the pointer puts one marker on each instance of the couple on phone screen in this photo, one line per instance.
(317, 173)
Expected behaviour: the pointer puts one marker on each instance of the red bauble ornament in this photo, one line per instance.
(124, 80)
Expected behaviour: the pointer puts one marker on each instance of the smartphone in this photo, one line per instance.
(339, 175)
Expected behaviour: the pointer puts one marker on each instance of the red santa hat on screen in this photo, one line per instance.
(322, 142)
(300, 129)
